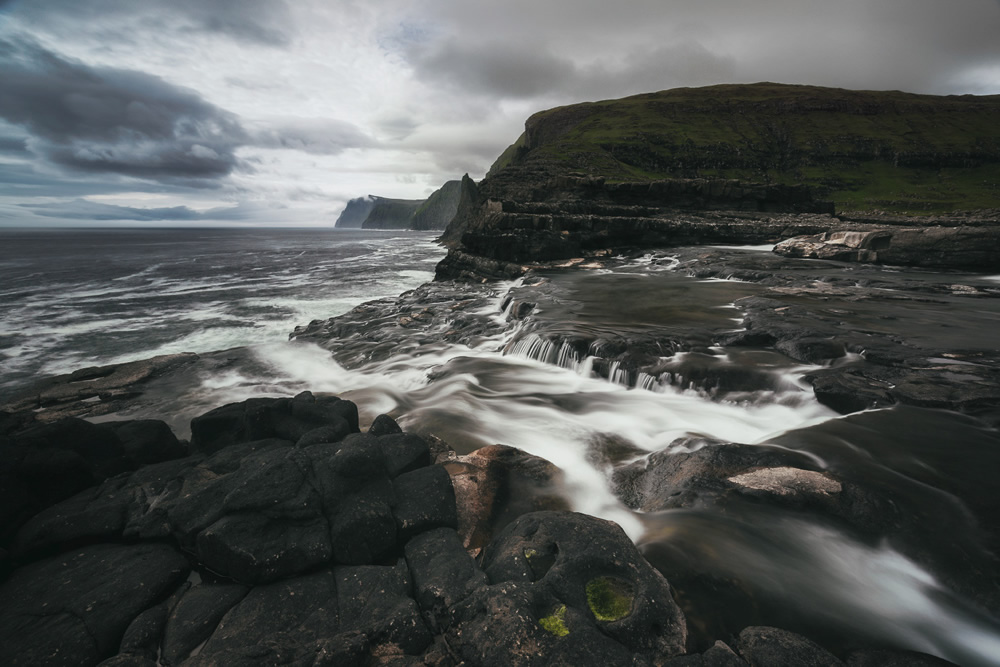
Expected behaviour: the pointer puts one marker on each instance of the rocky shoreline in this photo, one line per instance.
(282, 534)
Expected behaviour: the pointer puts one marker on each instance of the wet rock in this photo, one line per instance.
(276, 622)
(260, 418)
(677, 478)
(74, 609)
(195, 617)
(425, 500)
(384, 425)
(147, 441)
(496, 484)
(969, 248)
(762, 646)
(375, 600)
(443, 574)
(719, 655)
(589, 569)
(96, 391)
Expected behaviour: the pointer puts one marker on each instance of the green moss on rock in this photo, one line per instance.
(610, 599)
(555, 623)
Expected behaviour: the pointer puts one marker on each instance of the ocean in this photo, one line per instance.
(464, 363)
(76, 298)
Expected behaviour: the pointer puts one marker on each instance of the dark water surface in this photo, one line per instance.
(76, 298)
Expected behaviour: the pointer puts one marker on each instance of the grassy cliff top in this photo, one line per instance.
(863, 149)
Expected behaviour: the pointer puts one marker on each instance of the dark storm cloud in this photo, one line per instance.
(81, 209)
(261, 22)
(113, 120)
(504, 69)
(105, 120)
(567, 50)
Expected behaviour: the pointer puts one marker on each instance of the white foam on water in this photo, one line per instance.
(546, 410)
(877, 587)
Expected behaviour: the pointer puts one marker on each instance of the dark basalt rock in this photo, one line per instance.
(580, 574)
(195, 617)
(773, 646)
(375, 600)
(257, 419)
(45, 463)
(443, 574)
(74, 609)
(276, 622)
(425, 500)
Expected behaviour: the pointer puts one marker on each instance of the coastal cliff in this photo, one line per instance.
(730, 164)
(374, 212)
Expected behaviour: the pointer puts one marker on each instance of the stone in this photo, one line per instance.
(592, 567)
(443, 574)
(147, 441)
(74, 608)
(374, 599)
(425, 500)
(252, 548)
(764, 646)
(288, 618)
(384, 425)
(195, 617)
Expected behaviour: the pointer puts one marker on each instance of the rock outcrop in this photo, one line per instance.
(972, 248)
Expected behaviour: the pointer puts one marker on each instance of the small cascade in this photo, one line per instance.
(532, 346)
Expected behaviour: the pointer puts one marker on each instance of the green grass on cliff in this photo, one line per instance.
(862, 149)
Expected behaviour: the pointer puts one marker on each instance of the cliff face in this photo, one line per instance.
(439, 209)
(353, 216)
(656, 170)
(391, 213)
(373, 212)
(861, 149)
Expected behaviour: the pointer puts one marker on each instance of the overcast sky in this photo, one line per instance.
(277, 112)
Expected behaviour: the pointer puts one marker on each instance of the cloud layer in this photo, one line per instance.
(250, 106)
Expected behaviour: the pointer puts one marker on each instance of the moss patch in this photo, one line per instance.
(610, 599)
(555, 623)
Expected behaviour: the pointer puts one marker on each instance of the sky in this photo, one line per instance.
(277, 112)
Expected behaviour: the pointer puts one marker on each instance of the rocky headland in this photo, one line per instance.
(374, 212)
